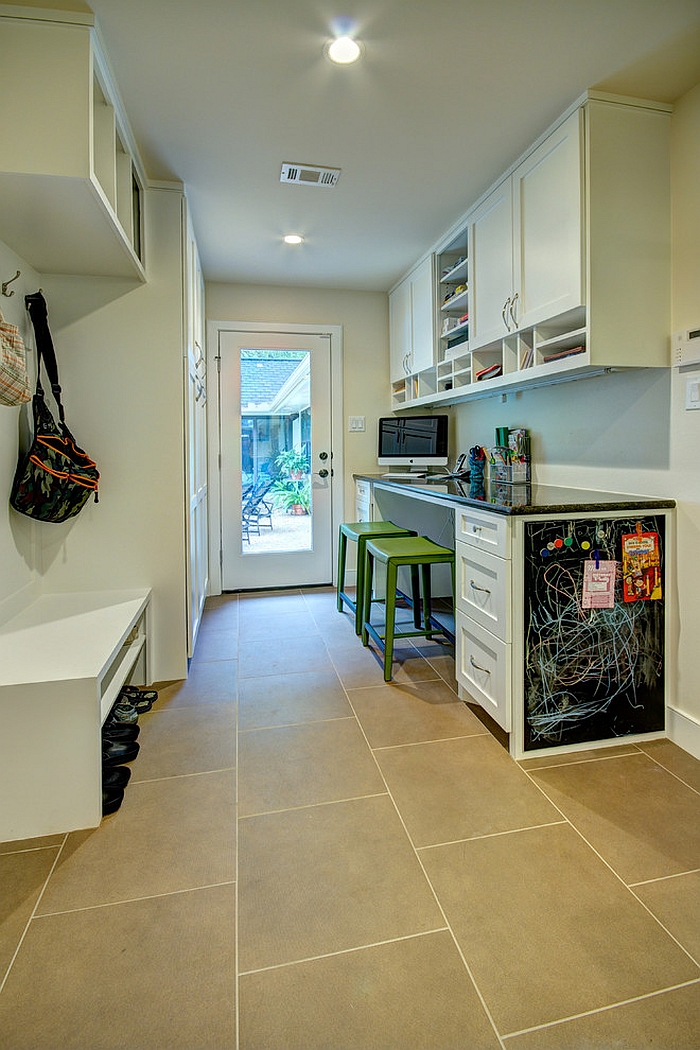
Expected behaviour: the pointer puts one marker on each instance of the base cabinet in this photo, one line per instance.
(557, 671)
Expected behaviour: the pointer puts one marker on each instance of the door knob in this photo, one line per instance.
(323, 473)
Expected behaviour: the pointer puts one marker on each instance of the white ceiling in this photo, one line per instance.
(448, 94)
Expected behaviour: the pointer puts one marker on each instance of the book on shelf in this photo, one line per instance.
(564, 353)
(489, 373)
(526, 359)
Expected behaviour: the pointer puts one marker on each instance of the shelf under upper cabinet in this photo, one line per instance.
(456, 302)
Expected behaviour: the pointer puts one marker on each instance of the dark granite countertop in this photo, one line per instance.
(520, 499)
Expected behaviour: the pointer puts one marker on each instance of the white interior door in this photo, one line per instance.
(275, 432)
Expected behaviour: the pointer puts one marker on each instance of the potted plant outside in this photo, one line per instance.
(294, 462)
(292, 495)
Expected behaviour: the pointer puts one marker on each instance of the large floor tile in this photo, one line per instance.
(221, 612)
(675, 759)
(547, 929)
(412, 993)
(669, 1021)
(287, 699)
(298, 623)
(145, 975)
(603, 754)
(291, 655)
(22, 878)
(180, 740)
(405, 714)
(360, 667)
(676, 903)
(169, 835)
(214, 682)
(216, 644)
(644, 822)
(303, 765)
(325, 879)
(457, 789)
(20, 845)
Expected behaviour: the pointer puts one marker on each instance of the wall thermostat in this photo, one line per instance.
(686, 347)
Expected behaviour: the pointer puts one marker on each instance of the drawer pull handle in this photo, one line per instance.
(476, 587)
(477, 666)
(476, 528)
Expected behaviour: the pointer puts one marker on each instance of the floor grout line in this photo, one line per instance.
(603, 1009)
(344, 951)
(313, 805)
(135, 900)
(665, 878)
(492, 835)
(37, 902)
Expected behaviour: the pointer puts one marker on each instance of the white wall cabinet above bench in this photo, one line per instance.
(63, 661)
(71, 185)
(411, 321)
(568, 258)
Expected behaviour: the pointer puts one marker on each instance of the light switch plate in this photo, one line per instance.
(356, 423)
(692, 394)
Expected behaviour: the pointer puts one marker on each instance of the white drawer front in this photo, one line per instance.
(490, 532)
(484, 669)
(483, 589)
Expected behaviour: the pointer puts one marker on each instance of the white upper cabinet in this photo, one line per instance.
(526, 255)
(491, 261)
(412, 321)
(71, 188)
(547, 228)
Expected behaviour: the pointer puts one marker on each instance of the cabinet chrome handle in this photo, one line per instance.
(476, 528)
(511, 308)
(504, 312)
(477, 666)
(476, 587)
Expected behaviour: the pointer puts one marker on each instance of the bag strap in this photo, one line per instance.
(39, 315)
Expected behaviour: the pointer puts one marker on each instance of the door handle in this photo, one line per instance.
(323, 473)
(476, 587)
(503, 313)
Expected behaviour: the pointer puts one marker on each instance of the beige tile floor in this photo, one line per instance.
(309, 859)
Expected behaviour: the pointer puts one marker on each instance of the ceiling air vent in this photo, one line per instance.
(309, 174)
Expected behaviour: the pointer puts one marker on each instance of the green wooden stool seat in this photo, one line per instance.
(359, 532)
(419, 554)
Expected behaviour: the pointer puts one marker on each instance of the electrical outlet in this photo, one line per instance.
(356, 423)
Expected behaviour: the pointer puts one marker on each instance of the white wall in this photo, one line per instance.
(364, 317)
(119, 346)
(629, 432)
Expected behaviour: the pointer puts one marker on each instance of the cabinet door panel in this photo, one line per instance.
(399, 329)
(483, 589)
(491, 266)
(484, 669)
(547, 256)
(423, 313)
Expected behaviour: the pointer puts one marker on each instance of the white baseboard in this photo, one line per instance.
(684, 730)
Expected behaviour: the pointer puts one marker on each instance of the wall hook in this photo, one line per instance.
(6, 283)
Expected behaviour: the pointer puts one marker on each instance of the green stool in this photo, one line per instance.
(419, 553)
(359, 532)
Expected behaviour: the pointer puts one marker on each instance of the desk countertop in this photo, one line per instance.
(519, 499)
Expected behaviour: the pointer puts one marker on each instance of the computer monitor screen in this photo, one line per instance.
(413, 441)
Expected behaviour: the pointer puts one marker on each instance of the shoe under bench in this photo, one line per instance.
(63, 660)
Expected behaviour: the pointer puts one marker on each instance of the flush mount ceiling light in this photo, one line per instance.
(293, 238)
(343, 50)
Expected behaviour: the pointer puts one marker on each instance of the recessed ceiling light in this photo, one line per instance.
(293, 238)
(344, 50)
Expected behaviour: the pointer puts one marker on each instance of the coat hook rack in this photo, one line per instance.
(5, 285)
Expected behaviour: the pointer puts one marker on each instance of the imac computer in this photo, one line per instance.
(415, 442)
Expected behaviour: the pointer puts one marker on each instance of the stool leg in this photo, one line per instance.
(367, 597)
(390, 618)
(427, 600)
(360, 585)
(342, 554)
(415, 588)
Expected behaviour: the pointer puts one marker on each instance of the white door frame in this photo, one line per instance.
(214, 424)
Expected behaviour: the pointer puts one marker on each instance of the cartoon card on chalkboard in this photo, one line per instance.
(641, 566)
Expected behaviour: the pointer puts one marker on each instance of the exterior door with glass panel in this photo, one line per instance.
(275, 412)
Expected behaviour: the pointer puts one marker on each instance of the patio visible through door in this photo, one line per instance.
(275, 412)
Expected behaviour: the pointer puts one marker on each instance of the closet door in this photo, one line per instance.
(195, 436)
